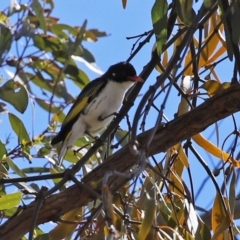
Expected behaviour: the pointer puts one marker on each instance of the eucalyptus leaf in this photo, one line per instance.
(15, 93)
(235, 20)
(36, 6)
(19, 128)
(10, 200)
(3, 150)
(5, 40)
(159, 20)
(14, 167)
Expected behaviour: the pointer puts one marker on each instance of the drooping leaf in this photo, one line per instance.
(185, 11)
(232, 193)
(220, 218)
(19, 128)
(159, 20)
(36, 6)
(213, 87)
(235, 20)
(10, 200)
(48, 43)
(61, 30)
(43, 151)
(63, 229)
(214, 150)
(88, 56)
(227, 31)
(5, 40)
(98, 33)
(150, 211)
(204, 231)
(3, 150)
(15, 93)
(44, 236)
(14, 167)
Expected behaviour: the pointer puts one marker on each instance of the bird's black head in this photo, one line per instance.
(122, 72)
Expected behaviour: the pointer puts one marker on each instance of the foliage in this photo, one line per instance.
(150, 196)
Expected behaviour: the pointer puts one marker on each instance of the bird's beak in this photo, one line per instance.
(136, 79)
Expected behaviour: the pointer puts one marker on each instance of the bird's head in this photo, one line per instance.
(123, 72)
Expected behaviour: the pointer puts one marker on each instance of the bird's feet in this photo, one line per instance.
(101, 118)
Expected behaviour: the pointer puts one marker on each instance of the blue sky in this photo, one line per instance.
(119, 23)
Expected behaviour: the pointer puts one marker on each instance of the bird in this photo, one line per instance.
(96, 105)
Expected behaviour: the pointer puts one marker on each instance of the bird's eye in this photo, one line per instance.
(113, 74)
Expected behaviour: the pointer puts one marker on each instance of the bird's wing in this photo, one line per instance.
(85, 97)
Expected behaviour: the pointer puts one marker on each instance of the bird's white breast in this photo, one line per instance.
(106, 103)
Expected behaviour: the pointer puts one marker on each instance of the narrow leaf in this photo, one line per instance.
(159, 20)
(36, 6)
(227, 32)
(232, 193)
(19, 128)
(14, 167)
(235, 20)
(185, 11)
(3, 150)
(5, 39)
(150, 211)
(220, 219)
(214, 150)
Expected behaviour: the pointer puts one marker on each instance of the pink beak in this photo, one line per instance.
(136, 79)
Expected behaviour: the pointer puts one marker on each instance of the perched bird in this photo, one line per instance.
(96, 105)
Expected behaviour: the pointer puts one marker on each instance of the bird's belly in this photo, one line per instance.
(96, 114)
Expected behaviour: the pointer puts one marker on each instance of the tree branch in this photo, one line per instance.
(214, 109)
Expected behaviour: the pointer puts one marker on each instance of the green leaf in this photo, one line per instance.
(15, 94)
(208, 3)
(14, 167)
(88, 56)
(3, 150)
(226, 30)
(185, 11)
(150, 214)
(122, 137)
(36, 6)
(98, 33)
(9, 212)
(235, 20)
(204, 230)
(159, 20)
(43, 151)
(48, 43)
(36, 170)
(43, 237)
(18, 128)
(47, 106)
(74, 47)
(232, 193)
(61, 29)
(5, 39)
(10, 200)
(3, 171)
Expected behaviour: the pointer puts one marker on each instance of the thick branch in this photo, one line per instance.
(218, 107)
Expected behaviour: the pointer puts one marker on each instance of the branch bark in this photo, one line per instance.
(216, 108)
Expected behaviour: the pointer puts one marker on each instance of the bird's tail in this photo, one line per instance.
(62, 153)
(64, 148)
